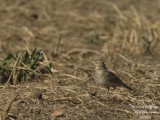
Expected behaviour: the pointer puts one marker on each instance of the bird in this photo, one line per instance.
(105, 77)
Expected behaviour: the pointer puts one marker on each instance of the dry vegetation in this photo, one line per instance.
(72, 33)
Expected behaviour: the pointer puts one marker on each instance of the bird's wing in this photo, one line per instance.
(115, 81)
(113, 78)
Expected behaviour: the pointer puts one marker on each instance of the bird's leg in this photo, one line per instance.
(108, 89)
(109, 93)
(114, 88)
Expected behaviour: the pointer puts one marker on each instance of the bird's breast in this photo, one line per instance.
(100, 78)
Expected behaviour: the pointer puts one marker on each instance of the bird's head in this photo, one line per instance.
(100, 64)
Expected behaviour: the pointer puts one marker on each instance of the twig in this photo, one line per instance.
(55, 53)
(123, 57)
(89, 75)
(9, 106)
(128, 74)
(69, 98)
(67, 75)
(121, 15)
(82, 51)
(13, 70)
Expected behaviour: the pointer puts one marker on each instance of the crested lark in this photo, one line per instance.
(107, 78)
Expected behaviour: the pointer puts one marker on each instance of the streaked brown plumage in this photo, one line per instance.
(107, 78)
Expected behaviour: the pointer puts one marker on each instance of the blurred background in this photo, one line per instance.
(125, 27)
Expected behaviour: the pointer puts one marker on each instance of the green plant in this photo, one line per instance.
(93, 39)
(25, 66)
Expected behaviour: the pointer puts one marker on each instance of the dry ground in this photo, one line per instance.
(126, 33)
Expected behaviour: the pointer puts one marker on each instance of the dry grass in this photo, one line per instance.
(72, 34)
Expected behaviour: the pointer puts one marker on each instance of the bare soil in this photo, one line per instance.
(125, 33)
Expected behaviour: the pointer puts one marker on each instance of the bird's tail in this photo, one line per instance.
(124, 85)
